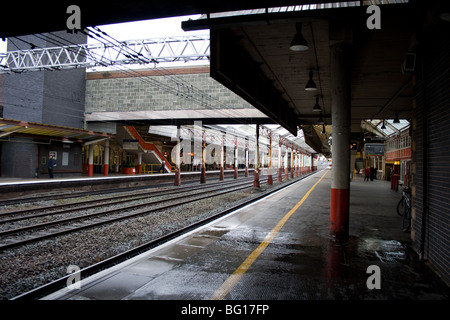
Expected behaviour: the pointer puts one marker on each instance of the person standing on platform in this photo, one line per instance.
(51, 164)
(366, 174)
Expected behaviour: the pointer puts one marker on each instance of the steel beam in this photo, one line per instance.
(146, 51)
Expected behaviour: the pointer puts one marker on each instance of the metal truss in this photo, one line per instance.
(163, 50)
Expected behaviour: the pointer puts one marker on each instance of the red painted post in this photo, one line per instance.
(292, 161)
(203, 172)
(246, 159)
(269, 177)
(177, 181)
(106, 157)
(256, 174)
(280, 163)
(221, 168)
(91, 161)
(286, 158)
(236, 163)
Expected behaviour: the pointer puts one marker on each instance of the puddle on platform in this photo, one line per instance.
(385, 250)
(216, 231)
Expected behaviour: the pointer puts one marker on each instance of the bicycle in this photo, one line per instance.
(404, 209)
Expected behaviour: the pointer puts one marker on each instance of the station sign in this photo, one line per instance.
(128, 144)
(374, 149)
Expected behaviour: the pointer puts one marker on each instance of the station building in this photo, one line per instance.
(113, 122)
(42, 114)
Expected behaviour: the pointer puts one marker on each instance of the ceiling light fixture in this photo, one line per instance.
(310, 85)
(299, 42)
(323, 129)
(383, 126)
(396, 119)
(320, 121)
(317, 106)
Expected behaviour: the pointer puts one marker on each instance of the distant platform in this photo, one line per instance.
(13, 188)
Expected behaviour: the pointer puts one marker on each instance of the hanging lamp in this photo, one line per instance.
(299, 42)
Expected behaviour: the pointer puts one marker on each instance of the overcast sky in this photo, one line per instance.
(156, 28)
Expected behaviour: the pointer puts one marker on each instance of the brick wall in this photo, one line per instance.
(431, 150)
(113, 93)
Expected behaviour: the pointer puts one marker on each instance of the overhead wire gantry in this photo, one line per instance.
(159, 50)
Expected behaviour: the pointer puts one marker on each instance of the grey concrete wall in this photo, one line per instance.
(146, 93)
(18, 159)
(49, 97)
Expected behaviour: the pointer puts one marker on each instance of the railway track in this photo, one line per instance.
(85, 203)
(16, 236)
(58, 195)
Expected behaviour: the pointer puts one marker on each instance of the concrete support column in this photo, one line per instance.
(256, 174)
(303, 163)
(263, 161)
(203, 173)
(269, 177)
(177, 181)
(292, 162)
(221, 168)
(236, 160)
(139, 162)
(280, 177)
(246, 159)
(286, 170)
(106, 159)
(340, 118)
(296, 164)
(300, 163)
(91, 161)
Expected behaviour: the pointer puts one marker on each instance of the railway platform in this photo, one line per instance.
(279, 249)
(15, 188)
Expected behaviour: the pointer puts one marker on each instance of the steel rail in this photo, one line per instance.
(102, 213)
(90, 203)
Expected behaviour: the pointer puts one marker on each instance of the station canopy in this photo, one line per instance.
(17, 129)
(386, 128)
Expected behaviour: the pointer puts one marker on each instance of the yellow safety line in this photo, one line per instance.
(240, 271)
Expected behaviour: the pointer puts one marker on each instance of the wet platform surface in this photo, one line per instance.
(242, 256)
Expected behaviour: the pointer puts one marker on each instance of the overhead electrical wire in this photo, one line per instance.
(134, 73)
